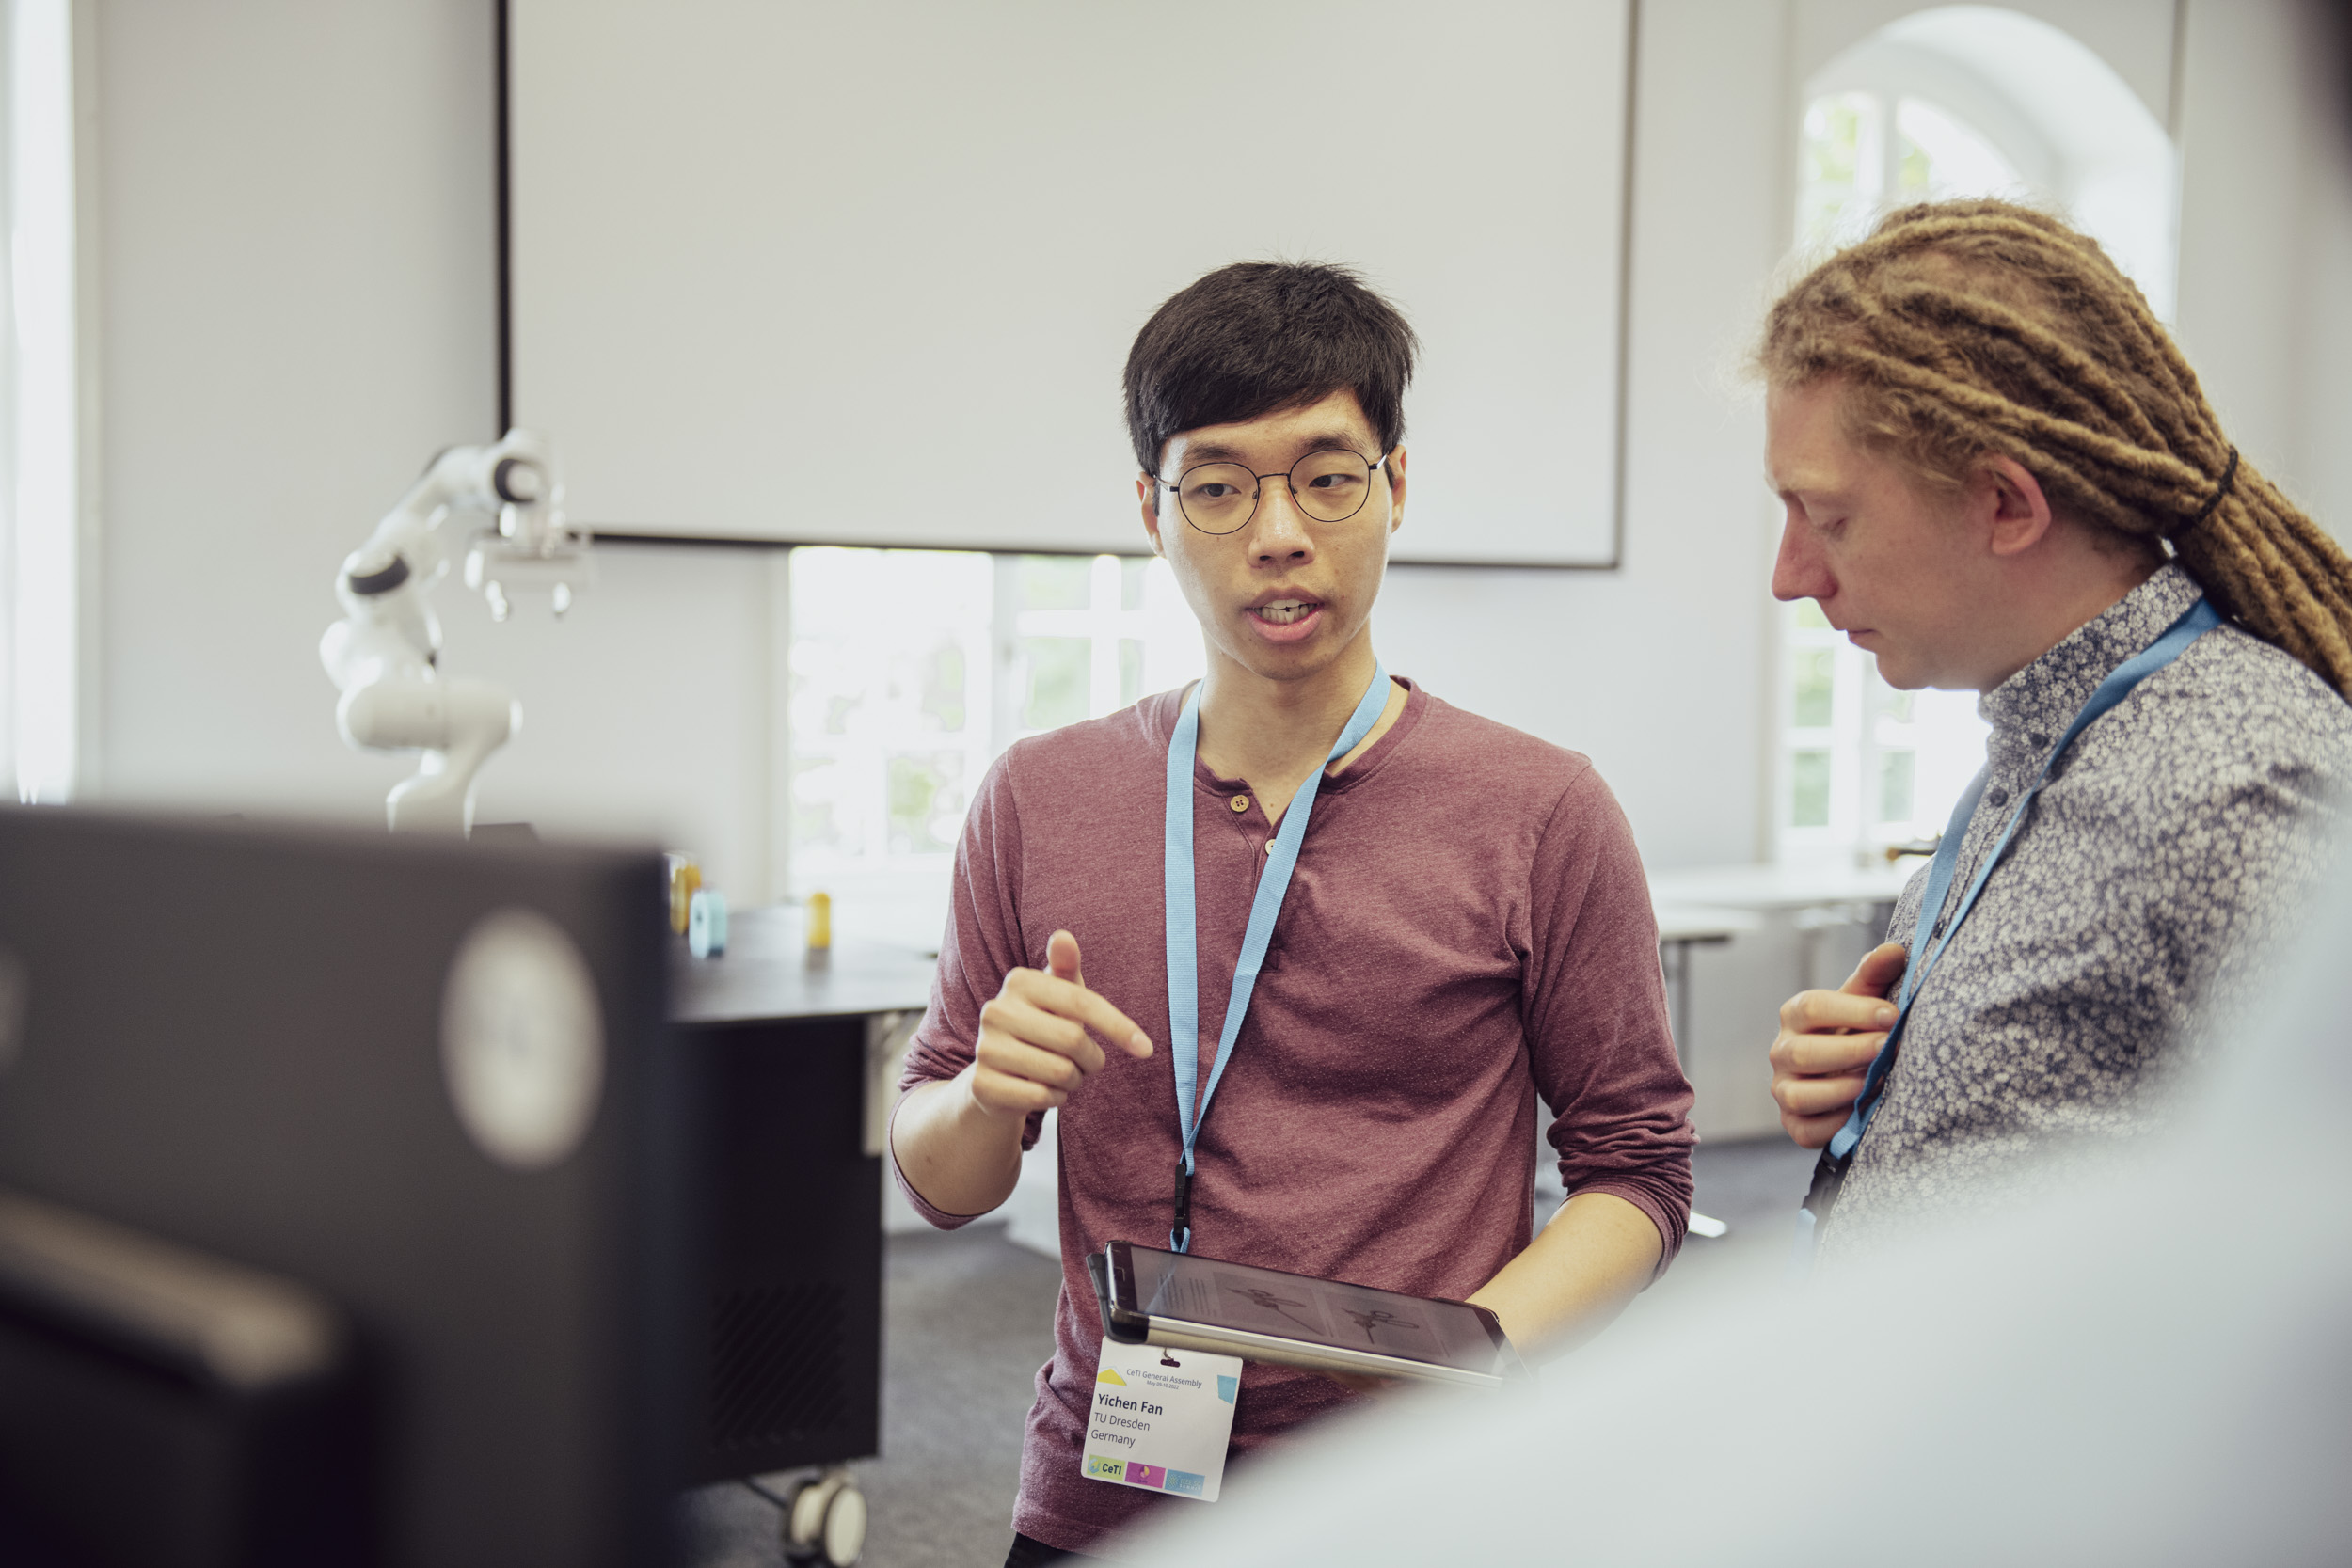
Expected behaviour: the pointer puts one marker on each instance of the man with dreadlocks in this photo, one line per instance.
(2001, 476)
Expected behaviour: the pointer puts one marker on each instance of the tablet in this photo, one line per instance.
(1187, 1302)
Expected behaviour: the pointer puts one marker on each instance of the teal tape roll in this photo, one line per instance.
(706, 923)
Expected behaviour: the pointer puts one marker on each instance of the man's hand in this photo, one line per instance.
(1035, 1046)
(958, 1140)
(1827, 1040)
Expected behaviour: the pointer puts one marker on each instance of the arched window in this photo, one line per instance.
(1957, 101)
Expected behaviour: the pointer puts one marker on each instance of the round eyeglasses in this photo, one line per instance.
(1221, 497)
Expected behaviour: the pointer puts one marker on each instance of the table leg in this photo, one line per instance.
(1677, 955)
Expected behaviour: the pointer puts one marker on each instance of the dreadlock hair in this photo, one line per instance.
(1966, 328)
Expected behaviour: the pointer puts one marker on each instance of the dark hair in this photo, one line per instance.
(1258, 336)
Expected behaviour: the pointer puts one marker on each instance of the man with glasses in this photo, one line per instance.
(1295, 950)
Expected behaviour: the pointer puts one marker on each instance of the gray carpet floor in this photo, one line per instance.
(1754, 1187)
(968, 1321)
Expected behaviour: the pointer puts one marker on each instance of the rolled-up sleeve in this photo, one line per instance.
(982, 945)
(1599, 1042)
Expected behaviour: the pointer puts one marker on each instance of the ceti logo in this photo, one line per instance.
(1109, 1469)
(1107, 1375)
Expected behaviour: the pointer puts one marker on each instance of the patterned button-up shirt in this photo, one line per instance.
(2169, 852)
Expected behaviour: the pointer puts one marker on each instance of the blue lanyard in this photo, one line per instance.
(1184, 935)
(2199, 619)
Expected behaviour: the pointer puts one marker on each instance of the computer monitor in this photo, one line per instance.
(426, 1082)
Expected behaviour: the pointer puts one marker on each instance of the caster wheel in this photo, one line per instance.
(827, 1521)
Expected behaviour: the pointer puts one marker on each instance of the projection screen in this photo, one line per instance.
(867, 273)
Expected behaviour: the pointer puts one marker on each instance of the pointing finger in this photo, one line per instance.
(1009, 1022)
(1072, 1000)
(1061, 958)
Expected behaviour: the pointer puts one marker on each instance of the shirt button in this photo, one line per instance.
(1996, 796)
(1270, 847)
(1241, 803)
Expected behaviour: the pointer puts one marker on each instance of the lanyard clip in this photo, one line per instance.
(1180, 1234)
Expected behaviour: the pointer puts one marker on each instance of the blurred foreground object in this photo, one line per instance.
(125, 1361)
(819, 926)
(385, 655)
(324, 1100)
(2151, 1368)
(685, 879)
(706, 923)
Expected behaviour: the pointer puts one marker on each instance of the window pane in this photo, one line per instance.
(1814, 678)
(1172, 654)
(894, 718)
(889, 715)
(1130, 671)
(1897, 770)
(1057, 679)
(1944, 156)
(1809, 793)
(815, 792)
(1054, 582)
(1838, 175)
(926, 802)
(1911, 167)
(942, 686)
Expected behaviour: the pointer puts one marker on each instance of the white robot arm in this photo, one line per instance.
(385, 653)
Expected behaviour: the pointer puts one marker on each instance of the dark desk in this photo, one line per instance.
(766, 976)
(799, 1060)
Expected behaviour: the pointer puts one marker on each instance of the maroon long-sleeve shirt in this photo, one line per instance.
(1467, 927)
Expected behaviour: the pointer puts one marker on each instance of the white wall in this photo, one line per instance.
(297, 294)
(1654, 669)
(296, 289)
(2266, 242)
(1661, 672)
(296, 316)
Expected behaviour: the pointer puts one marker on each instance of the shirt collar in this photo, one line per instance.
(2032, 708)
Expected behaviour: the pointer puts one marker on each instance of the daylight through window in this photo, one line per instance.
(912, 670)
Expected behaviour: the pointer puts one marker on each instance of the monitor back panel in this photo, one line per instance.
(232, 1037)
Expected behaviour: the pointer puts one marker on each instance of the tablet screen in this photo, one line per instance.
(1204, 1290)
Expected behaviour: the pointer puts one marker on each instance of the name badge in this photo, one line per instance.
(1161, 1419)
